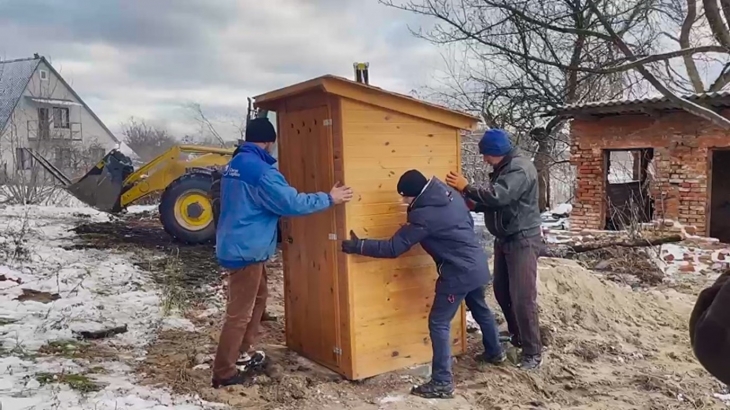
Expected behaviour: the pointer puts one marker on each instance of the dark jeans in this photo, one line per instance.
(439, 325)
(515, 287)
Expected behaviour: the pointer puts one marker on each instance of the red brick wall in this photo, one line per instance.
(681, 144)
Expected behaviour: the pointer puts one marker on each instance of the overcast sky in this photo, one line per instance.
(148, 58)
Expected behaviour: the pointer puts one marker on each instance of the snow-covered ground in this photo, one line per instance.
(81, 290)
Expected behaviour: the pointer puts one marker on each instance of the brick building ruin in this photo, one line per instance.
(643, 160)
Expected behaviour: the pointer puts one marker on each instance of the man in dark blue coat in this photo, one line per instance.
(440, 221)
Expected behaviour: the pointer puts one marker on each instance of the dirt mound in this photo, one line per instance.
(613, 347)
(610, 346)
(571, 296)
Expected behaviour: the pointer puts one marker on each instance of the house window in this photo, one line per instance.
(43, 74)
(23, 160)
(63, 158)
(60, 117)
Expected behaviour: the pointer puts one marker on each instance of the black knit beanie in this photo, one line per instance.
(260, 130)
(411, 183)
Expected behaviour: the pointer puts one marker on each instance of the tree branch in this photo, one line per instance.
(686, 105)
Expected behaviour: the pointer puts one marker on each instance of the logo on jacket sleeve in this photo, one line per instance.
(229, 171)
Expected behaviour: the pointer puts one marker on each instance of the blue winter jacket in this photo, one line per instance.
(254, 194)
(440, 221)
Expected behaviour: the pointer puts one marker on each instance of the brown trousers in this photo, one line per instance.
(515, 287)
(247, 292)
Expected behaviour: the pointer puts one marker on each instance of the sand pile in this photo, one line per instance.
(572, 297)
(611, 347)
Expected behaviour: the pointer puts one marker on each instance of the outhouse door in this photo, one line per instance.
(310, 247)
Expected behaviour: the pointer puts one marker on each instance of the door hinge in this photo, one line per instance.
(337, 350)
(327, 122)
(333, 237)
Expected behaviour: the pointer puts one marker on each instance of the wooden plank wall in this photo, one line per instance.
(391, 299)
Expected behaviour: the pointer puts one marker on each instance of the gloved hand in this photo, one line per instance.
(456, 181)
(353, 245)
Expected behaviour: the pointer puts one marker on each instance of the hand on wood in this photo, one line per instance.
(341, 194)
(456, 181)
(352, 245)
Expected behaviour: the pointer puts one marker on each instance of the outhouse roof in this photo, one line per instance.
(371, 95)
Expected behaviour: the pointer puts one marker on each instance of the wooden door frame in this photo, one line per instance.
(708, 205)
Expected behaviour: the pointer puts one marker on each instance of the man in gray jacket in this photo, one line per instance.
(511, 213)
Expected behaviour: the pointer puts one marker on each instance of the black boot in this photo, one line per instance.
(531, 361)
(496, 360)
(434, 390)
(240, 378)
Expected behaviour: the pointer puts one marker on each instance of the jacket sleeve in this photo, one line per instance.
(710, 328)
(404, 239)
(506, 189)
(276, 195)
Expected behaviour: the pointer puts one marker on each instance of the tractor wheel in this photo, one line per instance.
(186, 211)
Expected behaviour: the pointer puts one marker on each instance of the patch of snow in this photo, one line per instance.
(725, 398)
(679, 259)
(392, 399)
(138, 209)
(471, 324)
(562, 209)
(177, 323)
(92, 290)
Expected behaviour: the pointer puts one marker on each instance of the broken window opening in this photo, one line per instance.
(628, 178)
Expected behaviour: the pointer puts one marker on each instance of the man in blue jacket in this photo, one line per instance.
(440, 221)
(253, 195)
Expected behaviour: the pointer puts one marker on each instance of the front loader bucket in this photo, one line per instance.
(102, 186)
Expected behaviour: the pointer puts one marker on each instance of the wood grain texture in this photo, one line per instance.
(393, 297)
(359, 316)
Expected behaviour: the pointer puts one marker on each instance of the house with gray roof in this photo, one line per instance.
(40, 111)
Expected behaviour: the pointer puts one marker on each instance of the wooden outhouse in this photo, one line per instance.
(356, 315)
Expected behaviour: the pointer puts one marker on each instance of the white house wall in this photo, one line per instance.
(93, 134)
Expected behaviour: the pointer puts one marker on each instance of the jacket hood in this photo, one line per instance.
(436, 194)
(254, 149)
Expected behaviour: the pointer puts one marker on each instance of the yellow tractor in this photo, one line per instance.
(184, 175)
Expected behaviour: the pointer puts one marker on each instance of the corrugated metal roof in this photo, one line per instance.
(14, 77)
(717, 99)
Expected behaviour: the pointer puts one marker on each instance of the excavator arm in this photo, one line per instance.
(158, 174)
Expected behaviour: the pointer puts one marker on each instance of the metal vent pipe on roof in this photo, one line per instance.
(361, 72)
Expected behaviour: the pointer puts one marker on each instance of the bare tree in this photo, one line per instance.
(146, 140)
(527, 56)
(209, 134)
(520, 58)
(641, 64)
